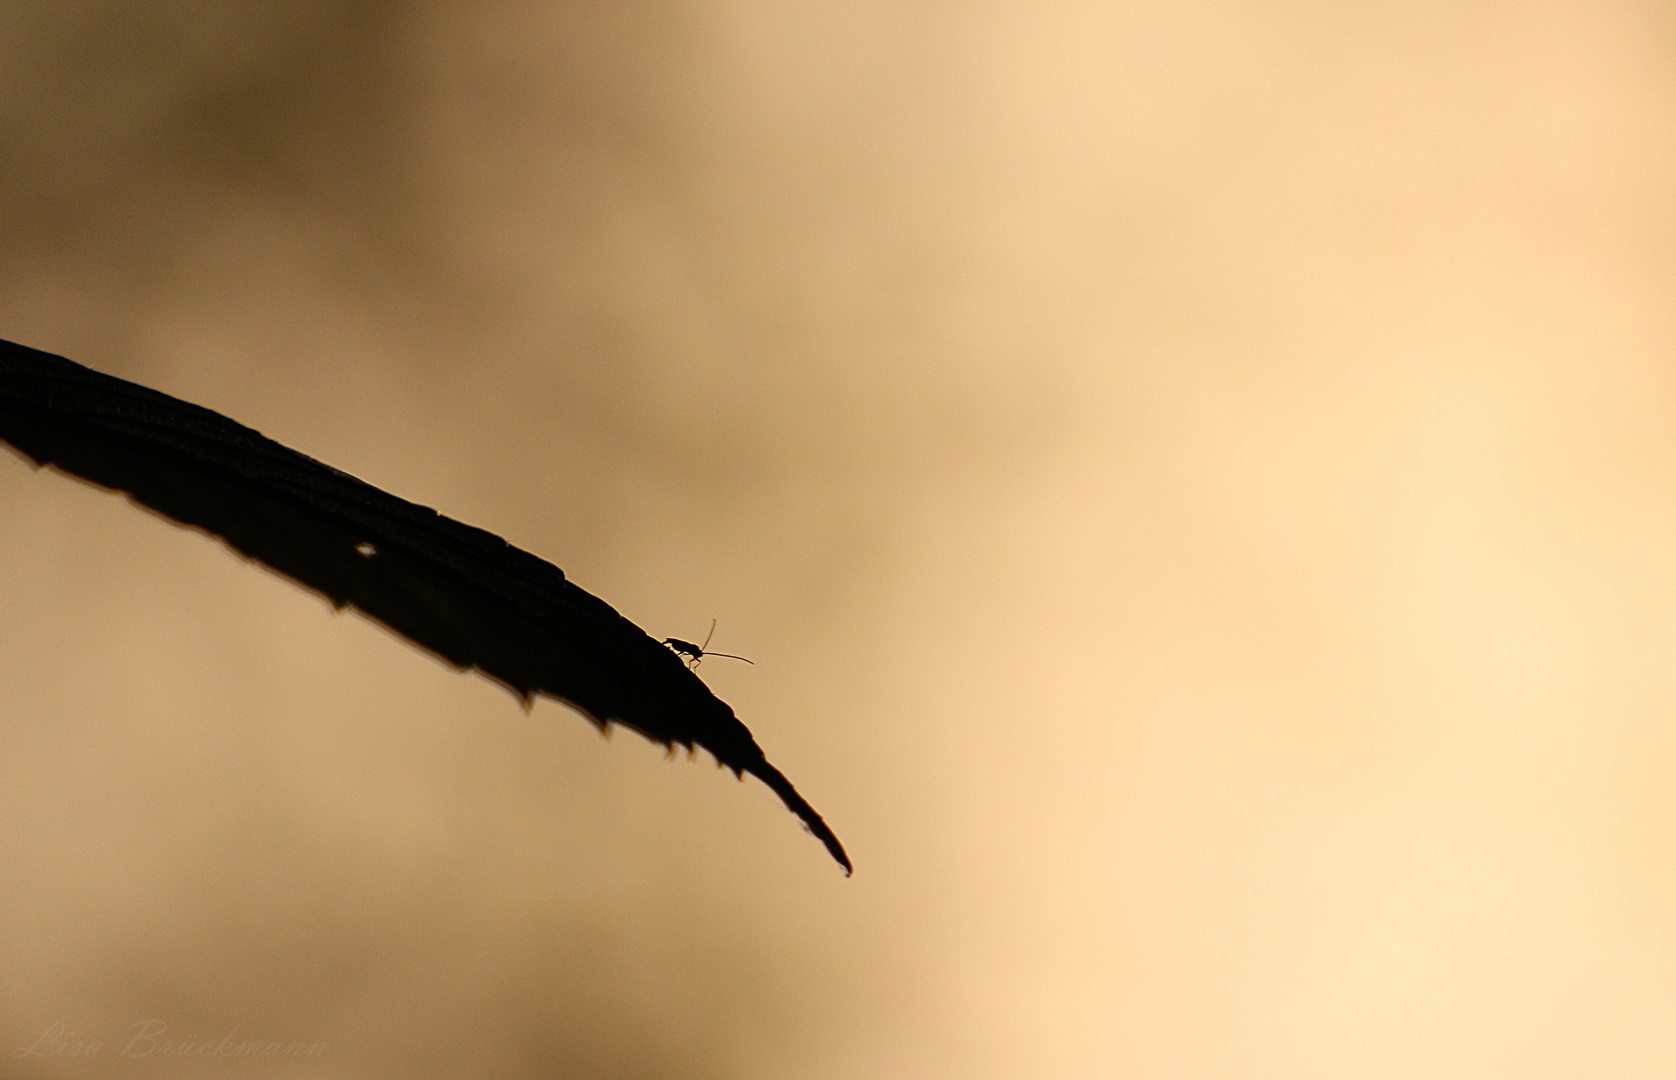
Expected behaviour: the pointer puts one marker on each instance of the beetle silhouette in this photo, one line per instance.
(699, 652)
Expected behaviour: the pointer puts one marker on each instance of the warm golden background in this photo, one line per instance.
(1197, 480)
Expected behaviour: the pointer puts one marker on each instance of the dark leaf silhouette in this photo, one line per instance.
(457, 591)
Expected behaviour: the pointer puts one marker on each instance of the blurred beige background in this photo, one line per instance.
(1197, 480)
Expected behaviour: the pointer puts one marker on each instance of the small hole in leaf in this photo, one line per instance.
(365, 550)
